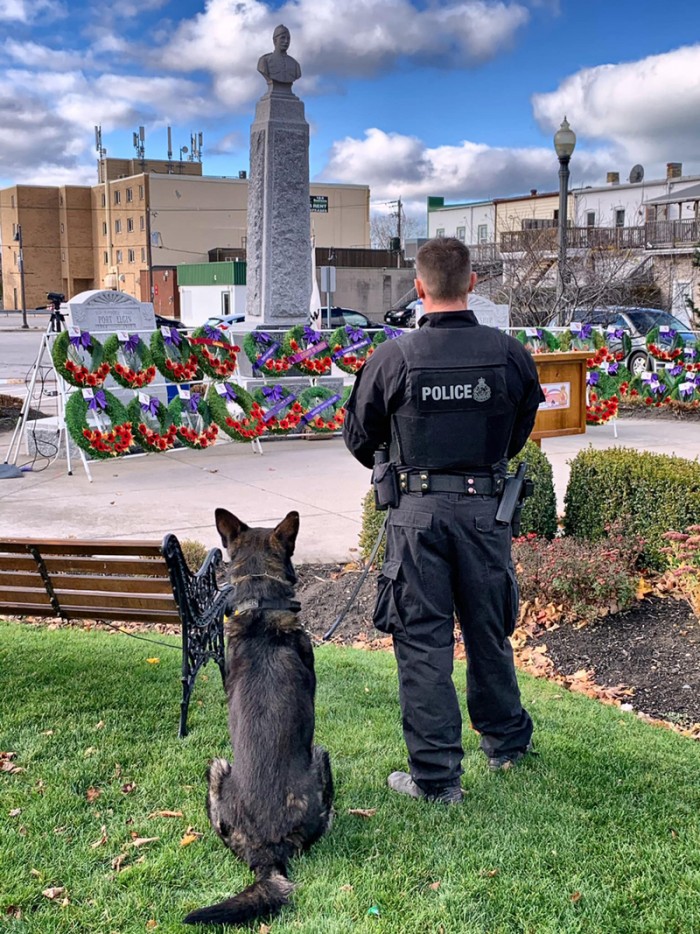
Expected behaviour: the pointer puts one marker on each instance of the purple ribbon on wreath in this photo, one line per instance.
(228, 394)
(392, 333)
(540, 333)
(592, 378)
(151, 406)
(658, 388)
(667, 337)
(98, 401)
(355, 334)
(214, 334)
(261, 337)
(617, 334)
(676, 370)
(81, 340)
(687, 390)
(613, 368)
(311, 336)
(273, 393)
(131, 343)
(582, 333)
(652, 378)
(193, 402)
(172, 337)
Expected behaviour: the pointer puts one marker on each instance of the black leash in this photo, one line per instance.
(370, 561)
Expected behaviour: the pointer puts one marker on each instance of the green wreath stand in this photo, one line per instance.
(127, 376)
(296, 342)
(78, 374)
(268, 357)
(186, 369)
(542, 341)
(245, 428)
(217, 356)
(98, 443)
(158, 439)
(189, 436)
(341, 341)
(319, 418)
(284, 418)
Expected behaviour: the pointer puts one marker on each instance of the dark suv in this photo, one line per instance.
(340, 316)
(638, 322)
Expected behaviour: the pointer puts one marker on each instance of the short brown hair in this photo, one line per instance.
(444, 267)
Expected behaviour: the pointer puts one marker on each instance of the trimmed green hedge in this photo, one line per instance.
(646, 493)
(539, 513)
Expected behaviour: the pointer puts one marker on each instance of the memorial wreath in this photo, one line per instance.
(98, 440)
(217, 355)
(307, 349)
(235, 411)
(174, 356)
(192, 414)
(152, 421)
(351, 346)
(130, 361)
(281, 409)
(79, 358)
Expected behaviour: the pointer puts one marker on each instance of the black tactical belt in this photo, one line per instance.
(425, 481)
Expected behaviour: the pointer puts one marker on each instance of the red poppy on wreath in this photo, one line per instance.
(79, 358)
(174, 356)
(130, 361)
(155, 429)
(195, 423)
(97, 439)
(217, 356)
(235, 412)
(266, 353)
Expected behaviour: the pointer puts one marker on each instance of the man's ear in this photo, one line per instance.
(228, 526)
(420, 289)
(472, 282)
(286, 532)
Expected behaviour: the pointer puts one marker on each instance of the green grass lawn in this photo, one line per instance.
(600, 833)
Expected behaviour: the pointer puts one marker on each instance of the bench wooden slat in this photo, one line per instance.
(70, 598)
(16, 595)
(17, 563)
(68, 547)
(106, 584)
(142, 616)
(128, 567)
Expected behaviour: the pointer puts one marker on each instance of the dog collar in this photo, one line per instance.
(293, 606)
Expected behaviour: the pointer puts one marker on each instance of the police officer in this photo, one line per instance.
(453, 401)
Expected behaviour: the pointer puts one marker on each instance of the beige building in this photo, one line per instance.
(118, 233)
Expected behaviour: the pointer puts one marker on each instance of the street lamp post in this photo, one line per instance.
(564, 144)
(20, 260)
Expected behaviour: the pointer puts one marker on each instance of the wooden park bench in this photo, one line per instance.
(124, 582)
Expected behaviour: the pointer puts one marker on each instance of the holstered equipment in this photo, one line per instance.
(386, 491)
(516, 490)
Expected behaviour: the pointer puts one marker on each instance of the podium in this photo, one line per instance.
(563, 380)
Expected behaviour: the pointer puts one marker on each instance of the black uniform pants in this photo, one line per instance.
(446, 553)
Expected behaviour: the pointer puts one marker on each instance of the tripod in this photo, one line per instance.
(54, 326)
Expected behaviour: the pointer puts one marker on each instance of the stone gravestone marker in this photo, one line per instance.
(105, 310)
(279, 234)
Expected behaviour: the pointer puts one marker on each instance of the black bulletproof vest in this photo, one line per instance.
(456, 413)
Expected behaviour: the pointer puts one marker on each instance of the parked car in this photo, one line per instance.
(340, 316)
(638, 322)
(404, 317)
(225, 321)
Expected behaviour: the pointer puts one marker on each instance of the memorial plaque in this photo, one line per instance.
(108, 311)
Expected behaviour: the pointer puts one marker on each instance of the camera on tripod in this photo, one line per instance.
(56, 298)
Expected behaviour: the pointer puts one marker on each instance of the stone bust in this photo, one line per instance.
(279, 68)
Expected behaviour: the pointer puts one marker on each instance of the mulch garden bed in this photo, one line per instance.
(652, 649)
(10, 410)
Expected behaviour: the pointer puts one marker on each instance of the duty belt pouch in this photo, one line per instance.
(386, 490)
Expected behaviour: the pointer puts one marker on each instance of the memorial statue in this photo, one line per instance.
(278, 68)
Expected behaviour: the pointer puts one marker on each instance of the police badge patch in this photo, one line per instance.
(481, 393)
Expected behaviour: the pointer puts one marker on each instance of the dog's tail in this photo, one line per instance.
(264, 898)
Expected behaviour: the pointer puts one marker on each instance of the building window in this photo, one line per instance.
(63, 227)
(142, 223)
(590, 218)
(129, 224)
(440, 232)
(117, 197)
(244, 243)
(117, 226)
(60, 200)
(225, 304)
(104, 200)
(12, 201)
(143, 254)
(120, 256)
(104, 228)
(482, 233)
(63, 256)
(105, 257)
(129, 194)
(14, 230)
(620, 217)
(461, 234)
(140, 192)
(132, 256)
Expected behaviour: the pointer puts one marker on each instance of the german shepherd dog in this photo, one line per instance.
(276, 798)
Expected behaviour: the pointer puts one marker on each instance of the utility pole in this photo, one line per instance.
(20, 263)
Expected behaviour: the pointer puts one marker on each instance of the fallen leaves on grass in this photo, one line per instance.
(575, 897)
(92, 794)
(141, 841)
(434, 886)
(54, 892)
(362, 812)
(190, 836)
(153, 661)
(15, 812)
(128, 787)
(165, 814)
(102, 840)
(14, 912)
(7, 765)
(117, 862)
(488, 873)
(151, 924)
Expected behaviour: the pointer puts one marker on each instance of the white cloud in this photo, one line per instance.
(361, 39)
(647, 108)
(393, 164)
(33, 55)
(29, 11)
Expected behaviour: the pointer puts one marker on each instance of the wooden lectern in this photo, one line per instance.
(563, 380)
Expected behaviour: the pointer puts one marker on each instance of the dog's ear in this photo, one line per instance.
(228, 526)
(286, 532)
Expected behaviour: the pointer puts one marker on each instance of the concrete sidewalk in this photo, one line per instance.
(148, 496)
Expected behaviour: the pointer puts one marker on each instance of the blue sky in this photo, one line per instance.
(432, 97)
